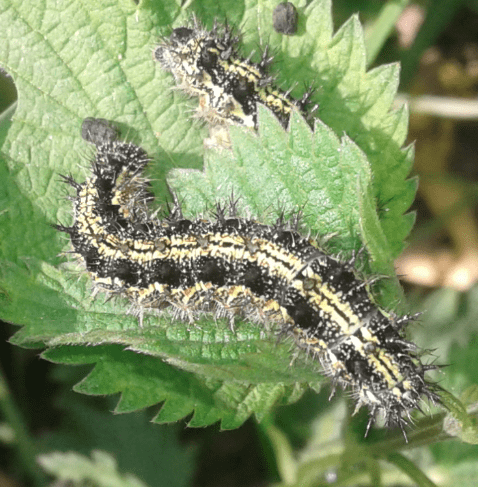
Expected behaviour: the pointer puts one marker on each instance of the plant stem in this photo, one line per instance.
(410, 469)
(378, 33)
(25, 447)
(440, 106)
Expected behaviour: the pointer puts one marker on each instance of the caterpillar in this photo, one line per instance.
(207, 64)
(231, 266)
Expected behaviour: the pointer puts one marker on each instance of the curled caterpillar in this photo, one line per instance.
(207, 64)
(232, 266)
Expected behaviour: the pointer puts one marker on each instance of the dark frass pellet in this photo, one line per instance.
(285, 18)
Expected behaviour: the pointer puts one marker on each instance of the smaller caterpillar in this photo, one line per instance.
(207, 64)
(231, 266)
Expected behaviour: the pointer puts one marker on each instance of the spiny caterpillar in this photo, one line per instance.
(207, 64)
(231, 266)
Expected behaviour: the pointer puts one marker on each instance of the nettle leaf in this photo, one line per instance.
(75, 60)
(101, 470)
(275, 171)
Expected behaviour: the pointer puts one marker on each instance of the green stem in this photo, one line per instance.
(25, 447)
(410, 469)
(426, 431)
(378, 33)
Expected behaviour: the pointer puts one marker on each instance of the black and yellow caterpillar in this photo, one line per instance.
(207, 64)
(232, 266)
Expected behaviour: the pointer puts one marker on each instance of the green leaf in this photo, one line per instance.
(462, 420)
(101, 470)
(84, 424)
(81, 59)
(463, 474)
(145, 381)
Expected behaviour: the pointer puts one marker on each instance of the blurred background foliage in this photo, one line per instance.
(436, 42)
